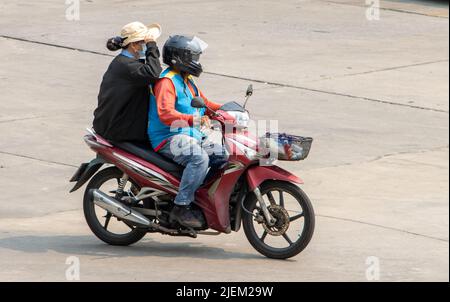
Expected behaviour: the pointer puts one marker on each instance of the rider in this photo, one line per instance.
(122, 109)
(173, 123)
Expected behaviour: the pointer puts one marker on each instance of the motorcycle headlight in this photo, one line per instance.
(242, 118)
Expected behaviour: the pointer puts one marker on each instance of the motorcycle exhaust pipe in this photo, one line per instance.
(117, 208)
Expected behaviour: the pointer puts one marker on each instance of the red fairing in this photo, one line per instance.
(214, 200)
(258, 174)
(161, 180)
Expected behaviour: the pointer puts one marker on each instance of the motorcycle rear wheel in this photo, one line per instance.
(307, 217)
(133, 236)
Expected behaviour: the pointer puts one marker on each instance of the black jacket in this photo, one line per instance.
(124, 96)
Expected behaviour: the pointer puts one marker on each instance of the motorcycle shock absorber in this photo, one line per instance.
(269, 218)
(121, 186)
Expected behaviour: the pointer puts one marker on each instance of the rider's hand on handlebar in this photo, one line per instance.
(227, 118)
(205, 121)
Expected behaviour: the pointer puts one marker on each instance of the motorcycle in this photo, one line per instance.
(134, 195)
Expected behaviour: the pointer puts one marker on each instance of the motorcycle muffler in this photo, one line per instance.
(118, 209)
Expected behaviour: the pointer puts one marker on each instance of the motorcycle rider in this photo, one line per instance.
(122, 109)
(173, 123)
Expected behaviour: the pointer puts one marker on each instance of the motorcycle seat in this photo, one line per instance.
(146, 152)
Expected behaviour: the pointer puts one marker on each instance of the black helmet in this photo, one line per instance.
(183, 53)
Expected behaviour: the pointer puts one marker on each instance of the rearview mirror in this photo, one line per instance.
(249, 90)
(198, 102)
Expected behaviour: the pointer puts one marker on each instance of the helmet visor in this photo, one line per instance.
(199, 43)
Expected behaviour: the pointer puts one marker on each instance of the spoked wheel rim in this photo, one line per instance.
(289, 231)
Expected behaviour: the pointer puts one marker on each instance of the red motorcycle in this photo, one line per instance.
(134, 195)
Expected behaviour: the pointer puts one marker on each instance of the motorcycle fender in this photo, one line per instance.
(258, 174)
(85, 172)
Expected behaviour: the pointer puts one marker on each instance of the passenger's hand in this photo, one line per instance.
(149, 38)
(153, 33)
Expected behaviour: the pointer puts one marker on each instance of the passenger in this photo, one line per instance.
(122, 112)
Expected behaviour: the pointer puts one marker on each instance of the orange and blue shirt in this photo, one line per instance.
(170, 102)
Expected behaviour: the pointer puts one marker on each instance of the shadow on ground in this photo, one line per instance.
(87, 245)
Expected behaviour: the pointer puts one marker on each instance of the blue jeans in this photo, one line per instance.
(196, 158)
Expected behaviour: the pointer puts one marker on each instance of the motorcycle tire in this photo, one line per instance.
(89, 211)
(308, 216)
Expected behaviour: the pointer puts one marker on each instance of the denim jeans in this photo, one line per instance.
(196, 158)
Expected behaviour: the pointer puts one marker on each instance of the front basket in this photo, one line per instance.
(286, 146)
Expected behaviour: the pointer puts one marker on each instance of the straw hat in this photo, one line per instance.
(136, 31)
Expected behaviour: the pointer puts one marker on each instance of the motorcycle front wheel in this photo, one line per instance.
(101, 222)
(294, 215)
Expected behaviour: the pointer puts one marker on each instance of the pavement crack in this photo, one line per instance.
(380, 70)
(329, 92)
(380, 157)
(406, 152)
(56, 45)
(247, 78)
(38, 159)
(384, 227)
(41, 116)
(20, 119)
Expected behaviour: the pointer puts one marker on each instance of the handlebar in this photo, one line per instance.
(226, 121)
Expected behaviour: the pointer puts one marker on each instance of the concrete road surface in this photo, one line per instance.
(369, 83)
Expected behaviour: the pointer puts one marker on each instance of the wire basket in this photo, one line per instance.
(285, 146)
